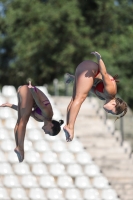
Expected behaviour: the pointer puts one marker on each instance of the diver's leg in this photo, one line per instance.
(82, 87)
(25, 108)
(17, 123)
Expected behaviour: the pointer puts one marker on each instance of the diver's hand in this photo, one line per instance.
(70, 78)
(98, 56)
(6, 105)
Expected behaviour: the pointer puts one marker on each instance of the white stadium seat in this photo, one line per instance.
(21, 169)
(37, 194)
(10, 123)
(18, 194)
(11, 181)
(28, 145)
(31, 124)
(83, 158)
(39, 169)
(4, 134)
(29, 181)
(82, 182)
(65, 181)
(58, 146)
(11, 157)
(49, 157)
(5, 113)
(74, 170)
(1, 124)
(73, 194)
(55, 194)
(9, 91)
(39, 126)
(32, 157)
(4, 194)
(75, 146)
(41, 146)
(2, 157)
(7, 145)
(5, 169)
(11, 133)
(91, 194)
(57, 116)
(100, 182)
(2, 99)
(34, 134)
(1, 183)
(14, 100)
(57, 169)
(49, 138)
(92, 170)
(108, 194)
(66, 158)
(47, 181)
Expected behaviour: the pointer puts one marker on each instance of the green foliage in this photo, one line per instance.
(45, 39)
(112, 37)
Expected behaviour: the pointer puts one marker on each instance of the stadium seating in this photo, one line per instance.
(52, 169)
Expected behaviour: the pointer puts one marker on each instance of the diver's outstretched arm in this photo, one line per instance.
(13, 106)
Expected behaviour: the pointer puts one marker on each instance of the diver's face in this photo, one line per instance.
(113, 112)
(110, 108)
(48, 128)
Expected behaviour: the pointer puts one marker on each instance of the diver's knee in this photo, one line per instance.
(24, 120)
(80, 98)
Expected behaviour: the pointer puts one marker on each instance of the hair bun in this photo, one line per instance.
(61, 122)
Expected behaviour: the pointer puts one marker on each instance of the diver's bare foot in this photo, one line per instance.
(69, 133)
(98, 56)
(20, 154)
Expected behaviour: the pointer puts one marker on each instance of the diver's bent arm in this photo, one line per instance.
(102, 69)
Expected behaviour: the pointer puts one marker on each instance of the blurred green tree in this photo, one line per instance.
(44, 40)
(111, 22)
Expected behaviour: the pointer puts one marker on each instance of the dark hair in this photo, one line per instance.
(56, 126)
(121, 106)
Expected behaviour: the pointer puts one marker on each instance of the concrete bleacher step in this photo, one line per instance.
(106, 153)
(104, 147)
